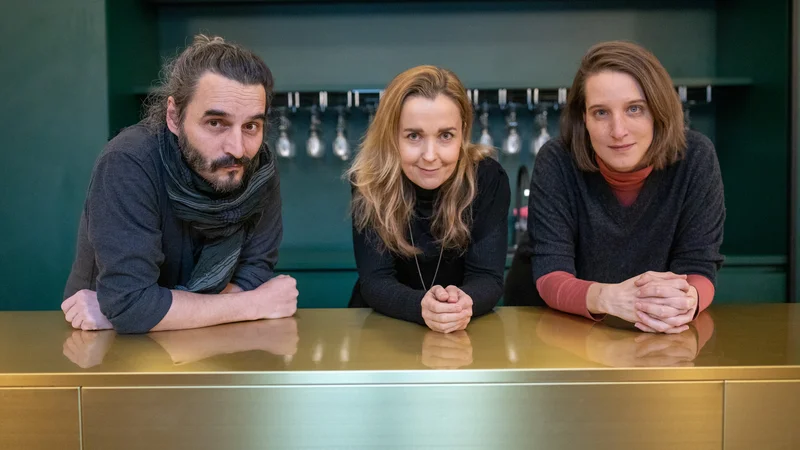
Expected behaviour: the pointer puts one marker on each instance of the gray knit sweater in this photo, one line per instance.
(577, 225)
(132, 249)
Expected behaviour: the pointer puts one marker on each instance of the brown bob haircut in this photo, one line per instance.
(669, 136)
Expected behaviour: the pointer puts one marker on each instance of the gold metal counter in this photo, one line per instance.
(517, 378)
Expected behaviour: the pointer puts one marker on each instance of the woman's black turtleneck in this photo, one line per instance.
(390, 284)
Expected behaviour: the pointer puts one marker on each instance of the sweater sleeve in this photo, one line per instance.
(704, 325)
(552, 226)
(705, 291)
(379, 285)
(698, 237)
(486, 255)
(123, 222)
(259, 255)
(564, 292)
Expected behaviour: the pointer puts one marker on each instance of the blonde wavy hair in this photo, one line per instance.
(384, 198)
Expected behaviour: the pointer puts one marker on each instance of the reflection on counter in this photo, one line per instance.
(620, 347)
(363, 340)
(446, 351)
(319, 378)
(375, 340)
(278, 337)
(88, 348)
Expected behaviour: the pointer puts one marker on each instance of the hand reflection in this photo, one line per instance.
(616, 347)
(276, 336)
(446, 351)
(632, 349)
(88, 348)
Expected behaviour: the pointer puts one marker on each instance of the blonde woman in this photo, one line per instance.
(430, 208)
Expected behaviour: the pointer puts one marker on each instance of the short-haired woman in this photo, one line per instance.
(626, 209)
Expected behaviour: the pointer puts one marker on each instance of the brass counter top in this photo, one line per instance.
(358, 346)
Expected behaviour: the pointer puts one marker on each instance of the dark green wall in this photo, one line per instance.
(487, 44)
(753, 41)
(55, 121)
(133, 62)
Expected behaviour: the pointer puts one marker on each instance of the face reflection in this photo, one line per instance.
(222, 130)
(618, 119)
(430, 135)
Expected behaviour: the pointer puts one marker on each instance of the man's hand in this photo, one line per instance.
(87, 348)
(83, 311)
(275, 299)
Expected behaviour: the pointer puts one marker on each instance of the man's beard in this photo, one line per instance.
(222, 184)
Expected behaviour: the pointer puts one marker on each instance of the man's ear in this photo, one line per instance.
(173, 117)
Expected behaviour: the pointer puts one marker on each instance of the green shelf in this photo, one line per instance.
(692, 82)
(316, 259)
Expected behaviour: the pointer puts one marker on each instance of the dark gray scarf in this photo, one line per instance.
(225, 221)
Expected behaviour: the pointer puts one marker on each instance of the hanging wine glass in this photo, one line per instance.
(683, 94)
(687, 121)
(341, 148)
(540, 122)
(513, 142)
(314, 146)
(284, 146)
(486, 138)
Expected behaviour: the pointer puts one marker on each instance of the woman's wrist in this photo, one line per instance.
(595, 298)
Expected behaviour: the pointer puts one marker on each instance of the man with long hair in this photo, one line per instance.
(182, 220)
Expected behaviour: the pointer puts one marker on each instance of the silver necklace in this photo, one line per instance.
(441, 252)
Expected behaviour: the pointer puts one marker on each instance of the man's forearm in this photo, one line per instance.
(231, 289)
(189, 310)
(194, 345)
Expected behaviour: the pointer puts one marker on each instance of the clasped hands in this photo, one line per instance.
(446, 309)
(656, 302)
